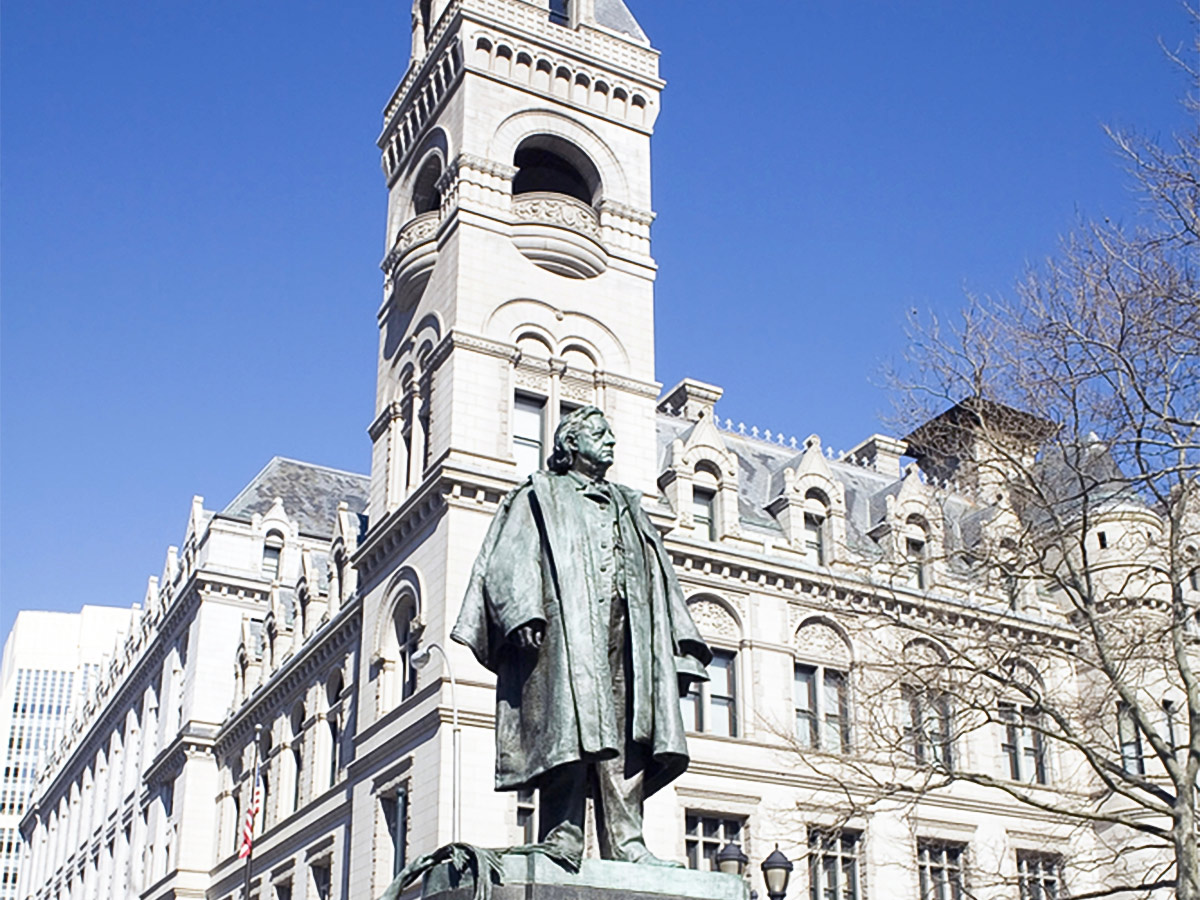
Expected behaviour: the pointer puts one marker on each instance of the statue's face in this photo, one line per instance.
(594, 442)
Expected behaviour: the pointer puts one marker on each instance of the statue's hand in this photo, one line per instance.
(529, 636)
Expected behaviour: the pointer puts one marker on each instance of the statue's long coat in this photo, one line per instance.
(555, 705)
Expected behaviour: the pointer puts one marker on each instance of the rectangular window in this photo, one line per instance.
(706, 834)
(704, 504)
(283, 891)
(711, 707)
(322, 879)
(1039, 875)
(527, 815)
(1130, 740)
(822, 703)
(560, 12)
(940, 867)
(833, 865)
(529, 426)
(926, 717)
(1023, 744)
(814, 538)
(395, 820)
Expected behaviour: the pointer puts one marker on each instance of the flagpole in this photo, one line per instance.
(253, 792)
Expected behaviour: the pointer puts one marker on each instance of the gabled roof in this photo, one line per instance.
(310, 494)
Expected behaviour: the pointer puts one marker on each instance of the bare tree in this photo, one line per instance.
(1063, 426)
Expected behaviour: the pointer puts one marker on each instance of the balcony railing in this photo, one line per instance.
(557, 209)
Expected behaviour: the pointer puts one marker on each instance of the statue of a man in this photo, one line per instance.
(573, 603)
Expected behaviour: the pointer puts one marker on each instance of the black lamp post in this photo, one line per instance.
(731, 860)
(777, 869)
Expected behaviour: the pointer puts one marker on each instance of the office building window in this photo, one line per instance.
(822, 698)
(940, 869)
(705, 835)
(711, 707)
(1023, 744)
(926, 716)
(1039, 875)
(833, 865)
(704, 504)
(529, 428)
(1130, 740)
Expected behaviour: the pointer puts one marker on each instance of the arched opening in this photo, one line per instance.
(551, 165)
(816, 515)
(425, 193)
(272, 551)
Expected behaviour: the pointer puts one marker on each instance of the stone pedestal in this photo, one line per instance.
(537, 878)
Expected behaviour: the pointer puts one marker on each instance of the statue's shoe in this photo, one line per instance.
(640, 855)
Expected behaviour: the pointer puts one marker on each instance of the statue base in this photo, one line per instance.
(535, 877)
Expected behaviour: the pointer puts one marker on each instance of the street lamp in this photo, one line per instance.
(420, 660)
(776, 869)
(731, 860)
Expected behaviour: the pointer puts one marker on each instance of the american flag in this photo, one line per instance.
(251, 814)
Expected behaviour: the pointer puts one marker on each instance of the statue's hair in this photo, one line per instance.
(563, 456)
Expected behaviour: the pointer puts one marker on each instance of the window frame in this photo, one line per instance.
(1035, 870)
(529, 402)
(1129, 741)
(701, 845)
(818, 718)
(1023, 739)
(829, 845)
(395, 826)
(941, 878)
(700, 700)
(922, 704)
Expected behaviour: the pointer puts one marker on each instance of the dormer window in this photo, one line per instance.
(915, 553)
(704, 503)
(272, 551)
(560, 12)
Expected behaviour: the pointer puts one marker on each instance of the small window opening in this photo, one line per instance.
(1102, 540)
(560, 12)
(272, 550)
(703, 507)
(425, 193)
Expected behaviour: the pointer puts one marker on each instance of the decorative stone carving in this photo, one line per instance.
(713, 618)
(819, 640)
(422, 228)
(556, 209)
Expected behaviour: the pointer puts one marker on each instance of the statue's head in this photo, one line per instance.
(583, 441)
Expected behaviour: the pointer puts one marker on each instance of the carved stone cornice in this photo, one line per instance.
(625, 211)
(649, 389)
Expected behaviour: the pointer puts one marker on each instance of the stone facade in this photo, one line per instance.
(518, 283)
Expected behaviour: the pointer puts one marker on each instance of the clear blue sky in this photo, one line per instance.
(193, 218)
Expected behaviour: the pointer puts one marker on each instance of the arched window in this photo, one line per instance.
(297, 726)
(272, 552)
(547, 164)
(821, 688)
(406, 645)
(816, 517)
(425, 193)
(925, 710)
(333, 692)
(705, 484)
(916, 544)
(1022, 739)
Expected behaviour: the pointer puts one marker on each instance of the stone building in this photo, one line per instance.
(518, 284)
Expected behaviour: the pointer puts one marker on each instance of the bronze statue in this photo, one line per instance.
(573, 603)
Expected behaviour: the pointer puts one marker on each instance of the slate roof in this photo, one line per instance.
(615, 14)
(310, 494)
